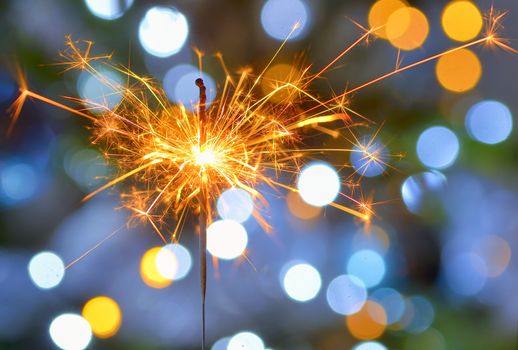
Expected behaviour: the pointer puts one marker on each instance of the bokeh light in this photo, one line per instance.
(108, 9)
(235, 204)
(419, 314)
(301, 281)
(221, 344)
(70, 332)
(407, 28)
(369, 158)
(176, 268)
(163, 31)
(380, 12)
(346, 294)
(391, 301)
(495, 252)
(465, 273)
(373, 238)
(18, 182)
(418, 191)
(368, 323)
(100, 89)
(489, 122)
(301, 209)
(318, 184)
(226, 239)
(437, 147)
(104, 316)
(180, 88)
(149, 269)
(370, 345)
(46, 270)
(278, 17)
(279, 75)
(368, 266)
(459, 71)
(86, 167)
(462, 20)
(245, 341)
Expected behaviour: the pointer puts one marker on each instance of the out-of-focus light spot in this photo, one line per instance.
(149, 270)
(346, 294)
(166, 262)
(101, 90)
(428, 340)
(465, 273)
(301, 281)
(459, 71)
(182, 261)
(70, 332)
(462, 20)
(278, 17)
(373, 238)
(419, 315)
(370, 345)
(46, 270)
(318, 184)
(369, 158)
(86, 167)
(245, 341)
(235, 204)
(108, 9)
(407, 28)
(368, 266)
(226, 239)
(380, 12)
(392, 302)
(496, 253)
(275, 79)
(104, 316)
(221, 344)
(18, 182)
(301, 209)
(368, 323)
(437, 147)
(417, 190)
(489, 122)
(180, 88)
(163, 31)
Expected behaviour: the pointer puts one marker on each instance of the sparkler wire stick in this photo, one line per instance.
(203, 207)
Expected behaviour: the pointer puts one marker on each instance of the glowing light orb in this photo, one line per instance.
(489, 122)
(86, 167)
(100, 89)
(392, 302)
(179, 87)
(206, 157)
(318, 184)
(301, 282)
(459, 71)
(417, 189)
(235, 204)
(163, 31)
(368, 266)
(407, 28)
(226, 239)
(149, 268)
(70, 332)
(301, 209)
(177, 268)
(108, 9)
(380, 12)
(221, 344)
(370, 345)
(245, 341)
(368, 323)
(18, 182)
(279, 16)
(278, 75)
(437, 147)
(346, 294)
(419, 315)
(104, 316)
(46, 270)
(462, 20)
(369, 158)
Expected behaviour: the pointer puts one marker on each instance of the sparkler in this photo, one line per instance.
(178, 162)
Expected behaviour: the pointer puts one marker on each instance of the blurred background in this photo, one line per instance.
(435, 270)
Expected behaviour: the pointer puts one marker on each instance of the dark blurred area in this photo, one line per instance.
(436, 267)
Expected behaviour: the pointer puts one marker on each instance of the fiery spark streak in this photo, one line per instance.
(178, 162)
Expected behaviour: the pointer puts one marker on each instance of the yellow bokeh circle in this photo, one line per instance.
(407, 28)
(301, 209)
(149, 271)
(104, 316)
(275, 80)
(380, 13)
(462, 20)
(459, 71)
(368, 323)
